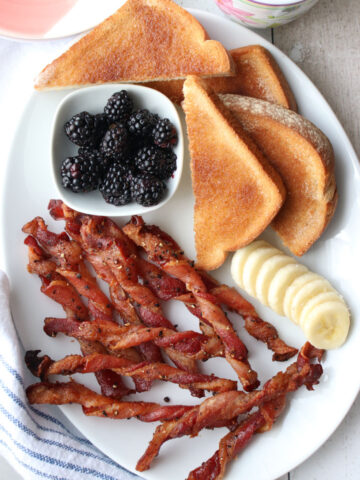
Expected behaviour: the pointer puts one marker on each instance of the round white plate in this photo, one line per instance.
(49, 19)
(310, 416)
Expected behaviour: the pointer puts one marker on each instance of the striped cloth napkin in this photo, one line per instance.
(40, 442)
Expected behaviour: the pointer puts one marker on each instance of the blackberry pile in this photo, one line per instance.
(125, 153)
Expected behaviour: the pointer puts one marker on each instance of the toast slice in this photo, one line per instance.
(144, 40)
(304, 158)
(237, 193)
(257, 75)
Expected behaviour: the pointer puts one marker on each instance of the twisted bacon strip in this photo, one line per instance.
(116, 337)
(228, 405)
(164, 251)
(44, 366)
(58, 289)
(97, 405)
(235, 441)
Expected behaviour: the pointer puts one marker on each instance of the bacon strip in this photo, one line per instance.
(116, 337)
(165, 252)
(44, 366)
(234, 442)
(94, 404)
(255, 326)
(228, 405)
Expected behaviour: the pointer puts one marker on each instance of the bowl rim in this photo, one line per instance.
(286, 3)
(108, 209)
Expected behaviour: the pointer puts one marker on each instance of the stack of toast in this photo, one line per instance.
(254, 160)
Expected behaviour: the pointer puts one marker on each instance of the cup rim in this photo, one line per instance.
(286, 3)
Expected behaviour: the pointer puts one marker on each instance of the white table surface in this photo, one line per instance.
(326, 45)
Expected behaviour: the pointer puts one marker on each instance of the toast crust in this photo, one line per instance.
(237, 193)
(257, 75)
(144, 40)
(304, 157)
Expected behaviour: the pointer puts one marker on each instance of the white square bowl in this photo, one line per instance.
(93, 100)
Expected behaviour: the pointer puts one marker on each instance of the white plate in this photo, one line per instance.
(51, 19)
(310, 416)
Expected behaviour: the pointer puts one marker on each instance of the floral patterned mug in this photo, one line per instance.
(264, 13)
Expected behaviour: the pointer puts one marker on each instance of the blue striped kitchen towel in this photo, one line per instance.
(39, 442)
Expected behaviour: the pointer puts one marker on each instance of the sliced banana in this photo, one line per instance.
(294, 288)
(267, 273)
(306, 293)
(289, 288)
(240, 257)
(281, 282)
(323, 297)
(252, 265)
(327, 325)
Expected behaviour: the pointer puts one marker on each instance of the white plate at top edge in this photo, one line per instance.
(310, 417)
(69, 18)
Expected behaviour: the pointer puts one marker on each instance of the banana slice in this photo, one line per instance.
(240, 257)
(306, 293)
(316, 300)
(327, 325)
(293, 289)
(267, 273)
(252, 266)
(281, 282)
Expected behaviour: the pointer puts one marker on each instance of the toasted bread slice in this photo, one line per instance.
(144, 40)
(237, 193)
(304, 158)
(257, 75)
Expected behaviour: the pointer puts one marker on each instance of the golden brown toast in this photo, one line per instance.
(257, 75)
(237, 193)
(304, 158)
(144, 40)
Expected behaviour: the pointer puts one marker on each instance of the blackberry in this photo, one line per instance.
(164, 133)
(85, 130)
(147, 189)
(141, 123)
(115, 140)
(116, 186)
(96, 156)
(119, 107)
(82, 172)
(156, 161)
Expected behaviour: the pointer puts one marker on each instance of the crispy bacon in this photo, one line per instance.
(44, 366)
(59, 246)
(164, 251)
(166, 287)
(119, 253)
(234, 442)
(98, 405)
(116, 337)
(113, 256)
(228, 405)
(57, 288)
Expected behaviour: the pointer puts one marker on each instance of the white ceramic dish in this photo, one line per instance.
(51, 19)
(310, 417)
(93, 100)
